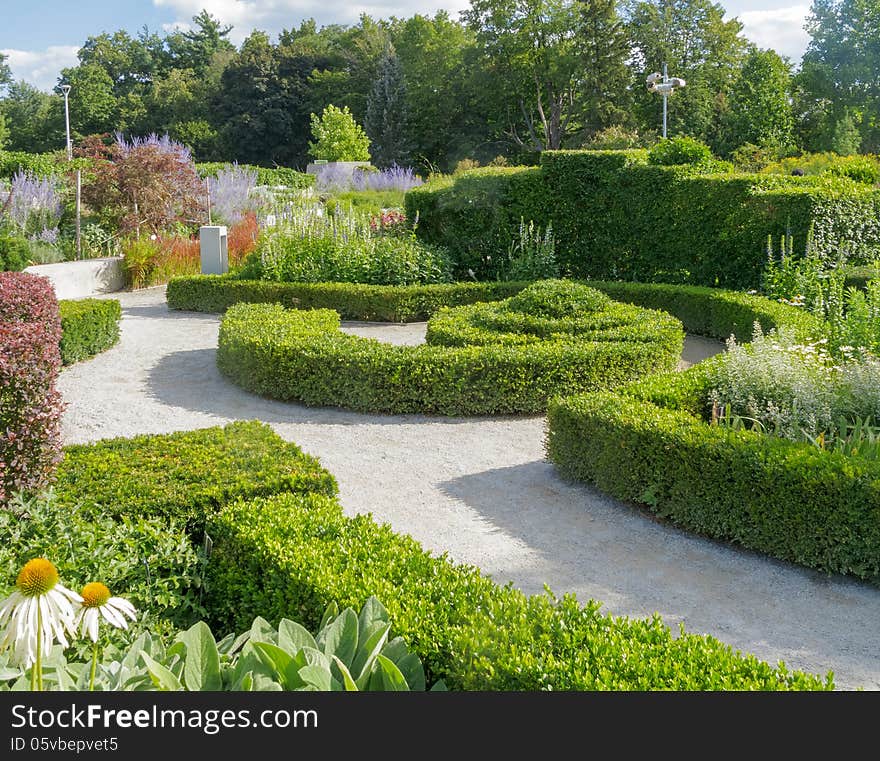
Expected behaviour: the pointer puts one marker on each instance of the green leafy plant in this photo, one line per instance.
(532, 256)
(674, 151)
(350, 652)
(338, 137)
(88, 327)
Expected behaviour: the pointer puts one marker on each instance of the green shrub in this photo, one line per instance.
(651, 444)
(290, 556)
(859, 168)
(147, 559)
(615, 217)
(88, 327)
(338, 137)
(166, 475)
(15, 252)
(674, 151)
(493, 359)
(408, 303)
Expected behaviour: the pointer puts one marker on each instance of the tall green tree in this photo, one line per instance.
(387, 122)
(5, 72)
(760, 103)
(839, 82)
(696, 42)
(93, 106)
(529, 52)
(603, 51)
(35, 119)
(195, 49)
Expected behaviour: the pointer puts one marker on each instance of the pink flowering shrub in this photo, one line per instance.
(30, 405)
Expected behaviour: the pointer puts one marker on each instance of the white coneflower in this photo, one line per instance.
(36, 614)
(97, 604)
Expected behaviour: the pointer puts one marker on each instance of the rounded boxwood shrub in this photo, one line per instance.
(88, 327)
(674, 151)
(509, 357)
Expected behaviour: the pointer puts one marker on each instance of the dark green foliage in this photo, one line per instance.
(272, 176)
(389, 303)
(675, 151)
(186, 475)
(651, 444)
(88, 327)
(292, 555)
(616, 217)
(14, 251)
(485, 359)
(39, 164)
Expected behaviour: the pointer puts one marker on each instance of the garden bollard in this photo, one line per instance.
(213, 246)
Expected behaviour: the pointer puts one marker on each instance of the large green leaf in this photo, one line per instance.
(339, 670)
(363, 661)
(201, 670)
(387, 677)
(317, 677)
(331, 612)
(372, 616)
(411, 668)
(293, 637)
(161, 676)
(341, 637)
(274, 657)
(262, 631)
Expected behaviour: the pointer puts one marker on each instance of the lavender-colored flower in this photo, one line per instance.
(183, 154)
(34, 203)
(337, 179)
(232, 193)
(46, 235)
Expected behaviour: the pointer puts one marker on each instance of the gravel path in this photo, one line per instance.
(481, 490)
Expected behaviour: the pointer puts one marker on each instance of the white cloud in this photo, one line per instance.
(781, 29)
(274, 15)
(41, 68)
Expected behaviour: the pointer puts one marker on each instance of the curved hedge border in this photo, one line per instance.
(283, 548)
(388, 303)
(88, 327)
(291, 555)
(705, 311)
(649, 443)
(522, 359)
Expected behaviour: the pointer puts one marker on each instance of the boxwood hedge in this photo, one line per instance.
(614, 216)
(185, 475)
(508, 357)
(650, 444)
(88, 327)
(291, 555)
(388, 303)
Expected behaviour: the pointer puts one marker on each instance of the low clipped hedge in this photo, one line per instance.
(584, 342)
(88, 327)
(650, 444)
(293, 554)
(272, 176)
(388, 303)
(187, 475)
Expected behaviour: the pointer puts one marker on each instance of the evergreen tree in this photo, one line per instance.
(386, 120)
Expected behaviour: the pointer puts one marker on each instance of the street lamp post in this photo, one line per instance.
(664, 85)
(66, 90)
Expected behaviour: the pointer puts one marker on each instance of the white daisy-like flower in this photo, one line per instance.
(97, 604)
(37, 604)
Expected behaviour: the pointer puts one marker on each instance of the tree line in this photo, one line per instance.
(509, 79)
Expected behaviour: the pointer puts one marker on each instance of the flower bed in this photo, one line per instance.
(554, 337)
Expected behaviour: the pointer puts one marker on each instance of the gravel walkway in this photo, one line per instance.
(481, 490)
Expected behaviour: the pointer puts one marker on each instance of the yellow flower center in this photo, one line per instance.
(94, 595)
(38, 577)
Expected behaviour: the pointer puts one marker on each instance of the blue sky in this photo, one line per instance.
(40, 37)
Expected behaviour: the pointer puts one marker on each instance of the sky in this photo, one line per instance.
(40, 37)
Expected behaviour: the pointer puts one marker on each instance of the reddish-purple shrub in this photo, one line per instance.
(30, 405)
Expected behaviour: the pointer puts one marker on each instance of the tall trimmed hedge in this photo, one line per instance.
(650, 443)
(272, 176)
(30, 405)
(617, 217)
(88, 327)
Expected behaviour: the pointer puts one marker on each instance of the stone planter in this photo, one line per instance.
(88, 277)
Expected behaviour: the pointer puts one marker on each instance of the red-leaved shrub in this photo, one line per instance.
(30, 405)
(242, 238)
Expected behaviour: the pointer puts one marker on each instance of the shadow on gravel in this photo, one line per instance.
(191, 380)
(621, 554)
(161, 312)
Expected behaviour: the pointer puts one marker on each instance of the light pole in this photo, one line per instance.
(66, 90)
(665, 85)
